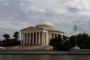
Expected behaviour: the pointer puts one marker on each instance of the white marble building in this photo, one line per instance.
(39, 35)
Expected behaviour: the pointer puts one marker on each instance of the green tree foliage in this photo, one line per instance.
(72, 40)
(55, 42)
(65, 37)
(1, 43)
(16, 35)
(82, 40)
(7, 42)
(59, 44)
(6, 36)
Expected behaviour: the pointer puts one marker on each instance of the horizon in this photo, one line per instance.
(64, 14)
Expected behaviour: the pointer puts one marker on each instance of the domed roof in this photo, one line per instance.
(46, 25)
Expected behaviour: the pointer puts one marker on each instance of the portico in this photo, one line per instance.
(39, 35)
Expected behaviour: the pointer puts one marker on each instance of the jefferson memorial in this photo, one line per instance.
(39, 35)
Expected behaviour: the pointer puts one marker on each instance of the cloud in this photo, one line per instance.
(18, 14)
(81, 5)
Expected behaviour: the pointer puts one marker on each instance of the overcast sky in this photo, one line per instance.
(18, 14)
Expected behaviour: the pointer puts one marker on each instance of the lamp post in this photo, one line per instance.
(75, 30)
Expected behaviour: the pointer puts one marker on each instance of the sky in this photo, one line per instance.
(64, 14)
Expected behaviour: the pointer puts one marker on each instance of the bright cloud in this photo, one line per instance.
(81, 5)
(18, 14)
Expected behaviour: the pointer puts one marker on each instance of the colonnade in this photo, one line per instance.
(34, 38)
(53, 35)
(37, 38)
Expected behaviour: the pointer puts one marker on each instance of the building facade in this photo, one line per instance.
(39, 35)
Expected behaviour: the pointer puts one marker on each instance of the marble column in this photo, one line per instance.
(24, 39)
(50, 36)
(42, 42)
(33, 39)
(29, 39)
(39, 38)
(36, 39)
(47, 38)
(42, 38)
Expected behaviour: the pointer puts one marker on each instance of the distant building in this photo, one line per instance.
(39, 35)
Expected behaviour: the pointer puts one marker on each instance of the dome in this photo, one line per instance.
(46, 25)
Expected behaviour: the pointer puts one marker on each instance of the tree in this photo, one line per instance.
(11, 42)
(55, 42)
(65, 37)
(72, 40)
(59, 44)
(5, 42)
(16, 35)
(6, 36)
(81, 40)
(16, 41)
(84, 41)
